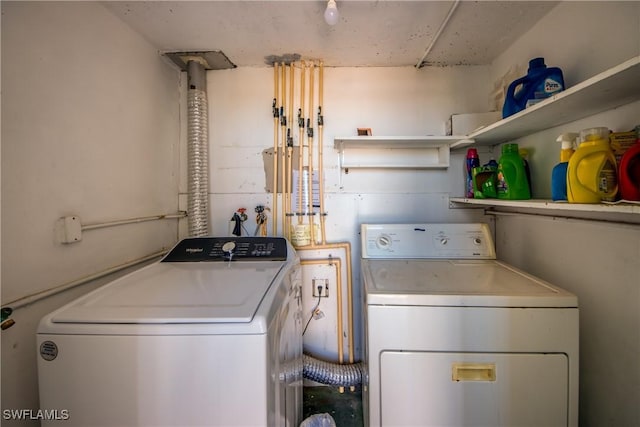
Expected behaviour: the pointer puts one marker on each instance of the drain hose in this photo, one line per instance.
(332, 373)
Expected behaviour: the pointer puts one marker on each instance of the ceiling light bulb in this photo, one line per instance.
(331, 14)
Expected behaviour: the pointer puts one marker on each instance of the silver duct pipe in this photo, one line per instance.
(332, 373)
(195, 64)
(197, 149)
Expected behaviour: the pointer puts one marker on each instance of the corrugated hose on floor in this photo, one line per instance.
(332, 373)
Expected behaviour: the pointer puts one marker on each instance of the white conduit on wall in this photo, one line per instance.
(443, 25)
(97, 225)
(197, 150)
(30, 299)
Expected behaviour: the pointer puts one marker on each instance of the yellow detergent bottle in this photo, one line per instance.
(591, 173)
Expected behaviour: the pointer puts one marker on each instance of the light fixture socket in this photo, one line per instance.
(331, 14)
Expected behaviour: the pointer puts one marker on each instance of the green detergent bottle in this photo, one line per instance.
(512, 182)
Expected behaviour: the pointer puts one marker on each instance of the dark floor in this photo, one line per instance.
(344, 405)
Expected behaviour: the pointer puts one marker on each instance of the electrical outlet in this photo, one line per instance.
(320, 288)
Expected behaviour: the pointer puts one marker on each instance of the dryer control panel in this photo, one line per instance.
(199, 249)
(453, 241)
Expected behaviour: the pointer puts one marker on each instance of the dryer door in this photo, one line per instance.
(473, 389)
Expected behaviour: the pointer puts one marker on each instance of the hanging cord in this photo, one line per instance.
(313, 312)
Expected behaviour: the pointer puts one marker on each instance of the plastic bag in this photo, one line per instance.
(319, 420)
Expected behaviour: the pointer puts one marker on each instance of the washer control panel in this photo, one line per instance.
(454, 241)
(198, 249)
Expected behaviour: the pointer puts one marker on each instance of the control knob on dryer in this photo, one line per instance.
(384, 241)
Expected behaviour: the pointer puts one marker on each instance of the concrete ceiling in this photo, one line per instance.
(369, 33)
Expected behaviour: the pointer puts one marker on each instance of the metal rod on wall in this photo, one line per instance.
(35, 297)
(95, 226)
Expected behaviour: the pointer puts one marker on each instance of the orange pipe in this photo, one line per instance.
(344, 245)
(288, 177)
(283, 149)
(310, 166)
(347, 249)
(274, 219)
(303, 73)
(321, 155)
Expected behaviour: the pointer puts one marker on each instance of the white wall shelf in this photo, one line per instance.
(543, 204)
(612, 88)
(403, 152)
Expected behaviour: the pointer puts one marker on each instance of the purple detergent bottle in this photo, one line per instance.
(473, 160)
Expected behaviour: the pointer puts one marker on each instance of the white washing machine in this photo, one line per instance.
(208, 336)
(455, 338)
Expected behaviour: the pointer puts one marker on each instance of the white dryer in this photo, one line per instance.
(208, 336)
(455, 338)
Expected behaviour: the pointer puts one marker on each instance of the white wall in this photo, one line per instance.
(391, 101)
(597, 261)
(91, 123)
(90, 127)
(583, 38)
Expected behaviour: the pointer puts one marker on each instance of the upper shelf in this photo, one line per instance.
(612, 88)
(341, 143)
(415, 152)
(617, 86)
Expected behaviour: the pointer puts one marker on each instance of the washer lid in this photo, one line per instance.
(177, 293)
(480, 283)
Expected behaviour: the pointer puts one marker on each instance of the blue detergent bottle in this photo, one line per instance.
(559, 171)
(540, 83)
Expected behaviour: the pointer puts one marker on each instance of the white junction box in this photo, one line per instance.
(68, 229)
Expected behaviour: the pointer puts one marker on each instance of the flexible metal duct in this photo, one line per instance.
(198, 150)
(196, 63)
(332, 373)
